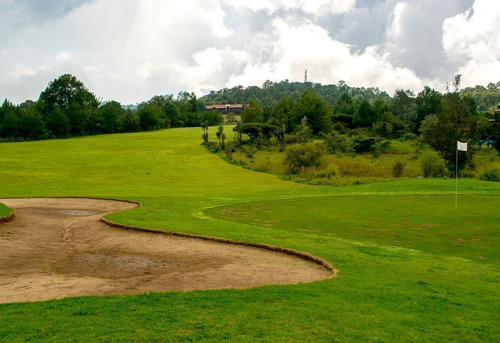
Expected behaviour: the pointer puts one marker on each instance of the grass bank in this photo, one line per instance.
(4, 210)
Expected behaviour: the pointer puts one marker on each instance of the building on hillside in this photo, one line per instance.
(228, 108)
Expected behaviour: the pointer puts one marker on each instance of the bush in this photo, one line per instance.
(300, 157)
(254, 129)
(211, 118)
(213, 147)
(363, 143)
(490, 173)
(339, 144)
(432, 165)
(398, 168)
(248, 150)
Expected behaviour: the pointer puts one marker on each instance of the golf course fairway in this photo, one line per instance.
(410, 267)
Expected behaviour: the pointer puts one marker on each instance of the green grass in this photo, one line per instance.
(423, 222)
(386, 291)
(4, 210)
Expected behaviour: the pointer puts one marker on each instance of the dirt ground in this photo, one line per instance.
(56, 248)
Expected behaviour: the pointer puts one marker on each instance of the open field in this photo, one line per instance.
(388, 289)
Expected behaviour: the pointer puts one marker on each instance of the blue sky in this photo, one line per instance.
(130, 50)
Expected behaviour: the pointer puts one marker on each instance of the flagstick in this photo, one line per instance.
(456, 182)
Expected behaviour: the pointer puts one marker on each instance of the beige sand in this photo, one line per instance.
(57, 247)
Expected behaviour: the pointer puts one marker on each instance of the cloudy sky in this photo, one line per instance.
(130, 50)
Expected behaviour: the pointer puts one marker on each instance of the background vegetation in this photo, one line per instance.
(391, 286)
(66, 108)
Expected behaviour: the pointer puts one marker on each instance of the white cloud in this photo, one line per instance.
(136, 49)
(64, 55)
(128, 53)
(213, 67)
(324, 7)
(316, 7)
(400, 11)
(472, 39)
(310, 47)
(21, 70)
(144, 70)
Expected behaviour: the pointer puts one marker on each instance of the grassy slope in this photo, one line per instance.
(383, 292)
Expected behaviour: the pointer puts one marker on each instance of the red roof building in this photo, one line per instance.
(228, 108)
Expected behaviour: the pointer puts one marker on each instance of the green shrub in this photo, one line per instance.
(339, 127)
(490, 173)
(254, 129)
(363, 143)
(408, 136)
(213, 147)
(300, 157)
(398, 168)
(337, 143)
(432, 165)
(248, 150)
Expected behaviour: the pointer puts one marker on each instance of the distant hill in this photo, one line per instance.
(271, 92)
(487, 98)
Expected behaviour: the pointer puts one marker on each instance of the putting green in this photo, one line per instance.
(424, 222)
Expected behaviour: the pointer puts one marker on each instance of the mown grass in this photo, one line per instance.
(384, 291)
(427, 223)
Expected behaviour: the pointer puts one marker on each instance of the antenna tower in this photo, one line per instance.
(305, 76)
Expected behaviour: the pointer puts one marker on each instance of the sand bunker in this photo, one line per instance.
(56, 248)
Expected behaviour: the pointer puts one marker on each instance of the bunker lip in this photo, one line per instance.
(61, 247)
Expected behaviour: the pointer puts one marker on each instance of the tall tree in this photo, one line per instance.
(32, 125)
(428, 101)
(316, 110)
(453, 123)
(404, 107)
(344, 105)
(365, 115)
(189, 108)
(130, 121)
(110, 115)
(281, 114)
(253, 113)
(496, 130)
(69, 97)
(343, 110)
(173, 117)
(10, 121)
(151, 117)
(211, 118)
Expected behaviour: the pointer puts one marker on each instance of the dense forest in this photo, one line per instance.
(272, 92)
(66, 108)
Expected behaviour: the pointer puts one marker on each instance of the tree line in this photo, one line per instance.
(270, 93)
(66, 108)
(347, 118)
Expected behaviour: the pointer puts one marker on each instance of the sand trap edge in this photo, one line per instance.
(303, 255)
(9, 217)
